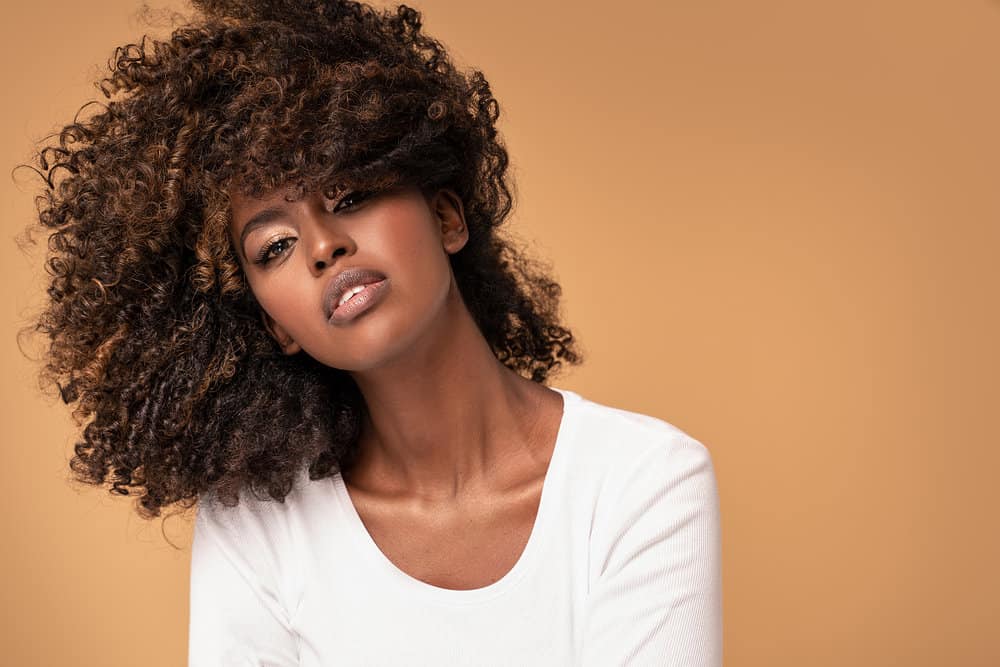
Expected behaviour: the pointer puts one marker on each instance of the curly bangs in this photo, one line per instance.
(152, 331)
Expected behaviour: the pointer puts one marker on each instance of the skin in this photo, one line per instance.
(454, 438)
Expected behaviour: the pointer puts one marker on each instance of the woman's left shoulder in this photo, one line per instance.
(631, 435)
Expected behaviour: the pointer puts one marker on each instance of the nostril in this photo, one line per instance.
(320, 264)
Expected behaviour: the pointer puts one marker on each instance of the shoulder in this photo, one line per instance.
(618, 438)
(255, 541)
(254, 521)
(654, 492)
(637, 463)
(651, 509)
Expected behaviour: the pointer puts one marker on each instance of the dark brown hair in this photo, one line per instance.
(152, 330)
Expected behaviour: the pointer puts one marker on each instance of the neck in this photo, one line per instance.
(446, 418)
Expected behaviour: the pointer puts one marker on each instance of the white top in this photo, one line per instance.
(622, 566)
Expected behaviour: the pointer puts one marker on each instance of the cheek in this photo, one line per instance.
(407, 239)
(289, 307)
(421, 269)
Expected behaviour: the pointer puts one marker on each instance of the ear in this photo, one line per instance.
(288, 346)
(450, 215)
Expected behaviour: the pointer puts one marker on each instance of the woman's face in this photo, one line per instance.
(290, 252)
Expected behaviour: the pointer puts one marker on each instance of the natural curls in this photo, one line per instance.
(154, 336)
(436, 110)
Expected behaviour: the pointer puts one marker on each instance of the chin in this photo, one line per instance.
(369, 348)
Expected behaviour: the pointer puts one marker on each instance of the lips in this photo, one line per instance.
(344, 281)
(361, 302)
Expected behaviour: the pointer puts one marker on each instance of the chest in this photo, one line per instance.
(456, 549)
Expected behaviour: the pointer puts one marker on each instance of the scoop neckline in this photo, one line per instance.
(533, 549)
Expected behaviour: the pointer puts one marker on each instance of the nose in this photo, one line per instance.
(329, 240)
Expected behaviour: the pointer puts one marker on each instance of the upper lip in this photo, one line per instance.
(344, 281)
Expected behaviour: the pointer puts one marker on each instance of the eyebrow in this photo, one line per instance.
(259, 219)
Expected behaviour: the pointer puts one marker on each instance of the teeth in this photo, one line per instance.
(349, 293)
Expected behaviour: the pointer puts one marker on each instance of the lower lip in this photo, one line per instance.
(363, 301)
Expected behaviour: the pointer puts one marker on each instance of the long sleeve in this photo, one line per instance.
(236, 614)
(658, 597)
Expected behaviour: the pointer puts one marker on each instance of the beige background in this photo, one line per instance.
(777, 226)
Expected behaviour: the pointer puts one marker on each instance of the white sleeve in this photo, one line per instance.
(236, 613)
(658, 597)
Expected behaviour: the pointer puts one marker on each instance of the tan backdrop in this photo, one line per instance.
(777, 226)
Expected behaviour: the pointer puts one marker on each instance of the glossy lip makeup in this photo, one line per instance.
(360, 302)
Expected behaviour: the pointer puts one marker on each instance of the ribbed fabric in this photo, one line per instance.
(622, 567)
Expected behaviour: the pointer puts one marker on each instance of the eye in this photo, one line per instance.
(351, 200)
(264, 256)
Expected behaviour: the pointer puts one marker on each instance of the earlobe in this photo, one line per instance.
(288, 345)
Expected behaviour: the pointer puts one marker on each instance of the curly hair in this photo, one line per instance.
(152, 330)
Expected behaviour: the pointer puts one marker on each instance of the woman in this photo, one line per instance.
(280, 292)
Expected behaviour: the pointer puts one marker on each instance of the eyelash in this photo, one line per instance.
(357, 196)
